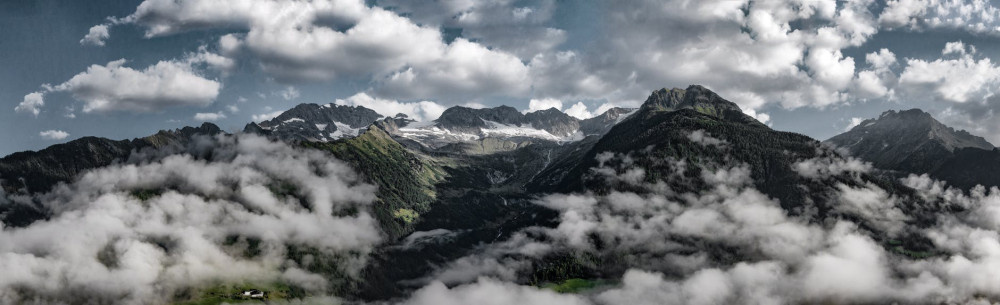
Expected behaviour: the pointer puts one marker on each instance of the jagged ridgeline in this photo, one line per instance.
(448, 189)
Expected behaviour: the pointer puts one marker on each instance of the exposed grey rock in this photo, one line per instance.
(312, 122)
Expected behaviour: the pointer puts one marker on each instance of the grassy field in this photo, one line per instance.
(232, 293)
(575, 285)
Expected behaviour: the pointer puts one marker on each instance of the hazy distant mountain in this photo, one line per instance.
(912, 141)
(502, 128)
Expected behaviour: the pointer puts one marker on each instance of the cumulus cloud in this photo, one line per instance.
(788, 54)
(579, 110)
(543, 104)
(464, 70)
(853, 122)
(32, 103)
(289, 93)
(265, 116)
(214, 61)
(727, 243)
(408, 58)
(956, 47)
(296, 41)
(518, 27)
(956, 80)
(973, 16)
(420, 111)
(209, 116)
(139, 232)
(115, 87)
(53, 134)
(96, 35)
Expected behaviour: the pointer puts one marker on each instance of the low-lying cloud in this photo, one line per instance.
(228, 210)
(728, 243)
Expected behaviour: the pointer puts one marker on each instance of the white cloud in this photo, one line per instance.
(762, 53)
(876, 81)
(32, 103)
(289, 93)
(96, 35)
(826, 167)
(103, 244)
(973, 16)
(769, 256)
(233, 108)
(420, 111)
(266, 116)
(463, 70)
(209, 116)
(831, 67)
(869, 84)
(543, 104)
(854, 122)
(882, 60)
(579, 110)
(955, 47)
(53, 134)
(957, 80)
(323, 40)
(490, 292)
(214, 61)
(730, 46)
(114, 87)
(702, 137)
(516, 27)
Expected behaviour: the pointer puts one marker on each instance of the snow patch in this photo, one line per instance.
(504, 130)
(344, 130)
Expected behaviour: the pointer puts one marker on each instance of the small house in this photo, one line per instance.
(253, 294)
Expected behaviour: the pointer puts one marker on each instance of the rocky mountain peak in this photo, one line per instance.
(909, 141)
(554, 121)
(602, 123)
(312, 122)
(913, 125)
(664, 99)
(695, 97)
(469, 119)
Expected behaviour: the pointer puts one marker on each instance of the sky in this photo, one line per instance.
(123, 69)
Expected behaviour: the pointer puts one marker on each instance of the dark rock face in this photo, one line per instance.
(912, 141)
(253, 128)
(554, 121)
(312, 122)
(356, 116)
(468, 120)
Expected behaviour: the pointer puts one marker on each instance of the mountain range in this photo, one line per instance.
(472, 179)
